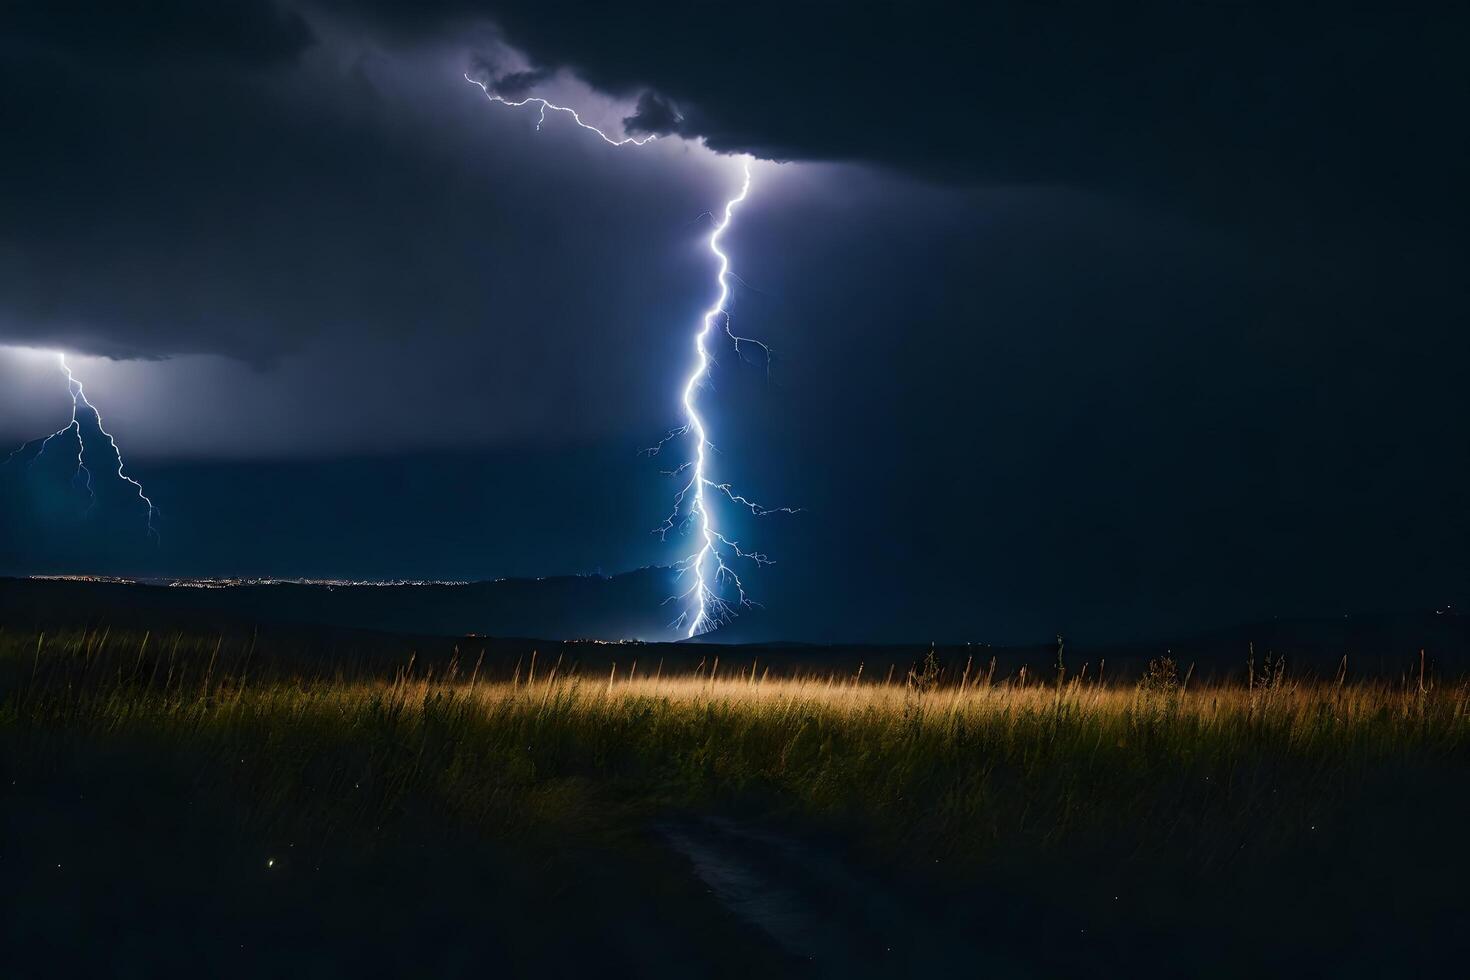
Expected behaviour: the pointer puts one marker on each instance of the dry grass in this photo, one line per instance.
(974, 769)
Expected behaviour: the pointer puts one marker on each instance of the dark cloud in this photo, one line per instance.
(226, 32)
(173, 142)
(655, 115)
(1119, 318)
(517, 84)
(1262, 113)
(510, 84)
(255, 207)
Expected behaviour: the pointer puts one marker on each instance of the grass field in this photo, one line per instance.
(1053, 790)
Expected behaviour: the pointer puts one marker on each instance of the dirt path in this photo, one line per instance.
(827, 915)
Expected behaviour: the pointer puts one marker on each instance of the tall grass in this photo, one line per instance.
(958, 770)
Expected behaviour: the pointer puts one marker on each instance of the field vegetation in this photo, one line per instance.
(931, 765)
(949, 775)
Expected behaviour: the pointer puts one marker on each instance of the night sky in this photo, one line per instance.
(1110, 324)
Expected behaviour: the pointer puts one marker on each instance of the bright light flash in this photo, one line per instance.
(74, 427)
(78, 396)
(716, 592)
(494, 97)
(706, 605)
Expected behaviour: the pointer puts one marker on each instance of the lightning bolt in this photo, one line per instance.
(79, 397)
(716, 592)
(494, 97)
(78, 402)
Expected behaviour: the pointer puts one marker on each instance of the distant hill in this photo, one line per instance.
(511, 617)
(630, 605)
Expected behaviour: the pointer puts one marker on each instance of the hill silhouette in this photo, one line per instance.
(577, 616)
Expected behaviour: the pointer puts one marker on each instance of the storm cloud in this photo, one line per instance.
(1200, 105)
(1083, 319)
(172, 143)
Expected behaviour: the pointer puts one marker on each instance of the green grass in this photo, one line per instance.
(967, 772)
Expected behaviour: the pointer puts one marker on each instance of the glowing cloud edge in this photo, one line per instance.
(79, 399)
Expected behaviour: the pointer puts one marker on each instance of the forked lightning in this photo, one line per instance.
(82, 472)
(716, 592)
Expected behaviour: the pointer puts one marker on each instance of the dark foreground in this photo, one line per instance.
(174, 808)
